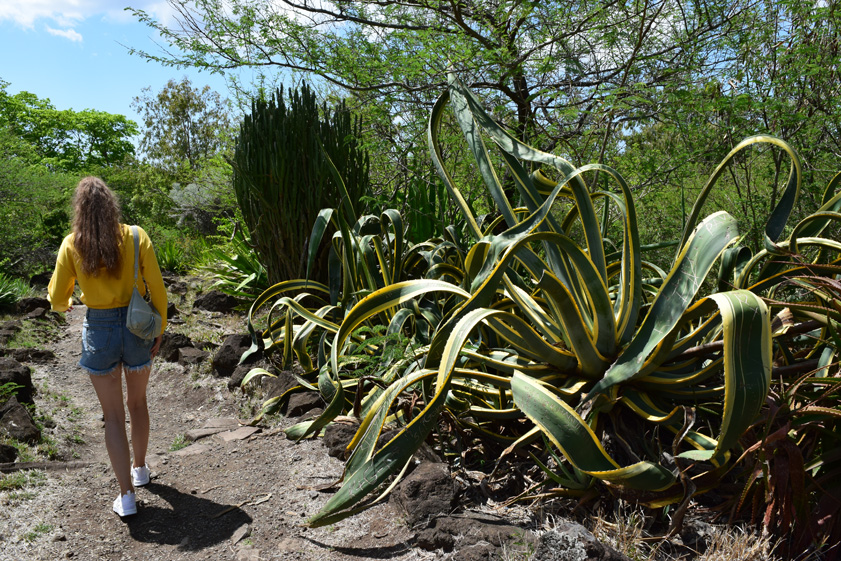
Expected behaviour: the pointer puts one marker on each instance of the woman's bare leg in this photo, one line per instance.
(109, 390)
(136, 382)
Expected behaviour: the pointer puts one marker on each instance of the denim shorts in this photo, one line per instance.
(107, 343)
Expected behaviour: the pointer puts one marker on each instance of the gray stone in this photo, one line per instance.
(247, 553)
(240, 434)
(427, 492)
(16, 421)
(241, 533)
(192, 450)
(482, 534)
(11, 371)
(190, 355)
(176, 286)
(697, 534)
(37, 313)
(569, 541)
(195, 434)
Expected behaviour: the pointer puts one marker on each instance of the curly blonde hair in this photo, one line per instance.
(96, 227)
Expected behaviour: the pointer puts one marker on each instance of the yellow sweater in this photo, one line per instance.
(104, 291)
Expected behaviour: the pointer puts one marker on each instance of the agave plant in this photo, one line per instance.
(540, 329)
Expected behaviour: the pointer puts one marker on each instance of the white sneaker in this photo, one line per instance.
(140, 476)
(125, 505)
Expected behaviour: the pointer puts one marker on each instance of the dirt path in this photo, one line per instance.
(219, 498)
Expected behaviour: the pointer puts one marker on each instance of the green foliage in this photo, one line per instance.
(73, 141)
(171, 257)
(179, 443)
(373, 351)
(12, 290)
(231, 259)
(34, 202)
(528, 330)
(283, 177)
(8, 390)
(184, 127)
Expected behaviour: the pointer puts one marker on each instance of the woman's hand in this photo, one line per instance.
(157, 346)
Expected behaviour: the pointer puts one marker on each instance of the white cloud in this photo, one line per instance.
(66, 33)
(66, 13)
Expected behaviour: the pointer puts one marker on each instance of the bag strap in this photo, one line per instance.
(136, 236)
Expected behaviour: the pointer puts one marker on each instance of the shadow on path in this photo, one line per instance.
(192, 524)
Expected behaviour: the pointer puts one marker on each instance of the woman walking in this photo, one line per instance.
(99, 255)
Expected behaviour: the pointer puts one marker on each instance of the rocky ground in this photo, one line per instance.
(220, 489)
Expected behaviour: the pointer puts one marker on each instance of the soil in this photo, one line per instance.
(221, 497)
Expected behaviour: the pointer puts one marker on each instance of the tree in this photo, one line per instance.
(66, 139)
(556, 68)
(183, 127)
(33, 205)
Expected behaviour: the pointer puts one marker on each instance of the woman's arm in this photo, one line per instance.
(63, 281)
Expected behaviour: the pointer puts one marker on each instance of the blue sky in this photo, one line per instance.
(70, 52)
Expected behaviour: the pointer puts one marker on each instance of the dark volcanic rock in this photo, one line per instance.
(31, 355)
(16, 421)
(171, 343)
(176, 286)
(27, 305)
(427, 492)
(8, 454)
(226, 359)
(336, 438)
(302, 403)
(191, 355)
(278, 385)
(216, 301)
(41, 279)
(11, 371)
(240, 372)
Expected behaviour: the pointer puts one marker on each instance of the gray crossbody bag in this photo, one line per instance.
(142, 318)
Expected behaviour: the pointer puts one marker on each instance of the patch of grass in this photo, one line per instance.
(22, 480)
(40, 529)
(25, 452)
(179, 443)
(49, 447)
(75, 414)
(74, 438)
(34, 334)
